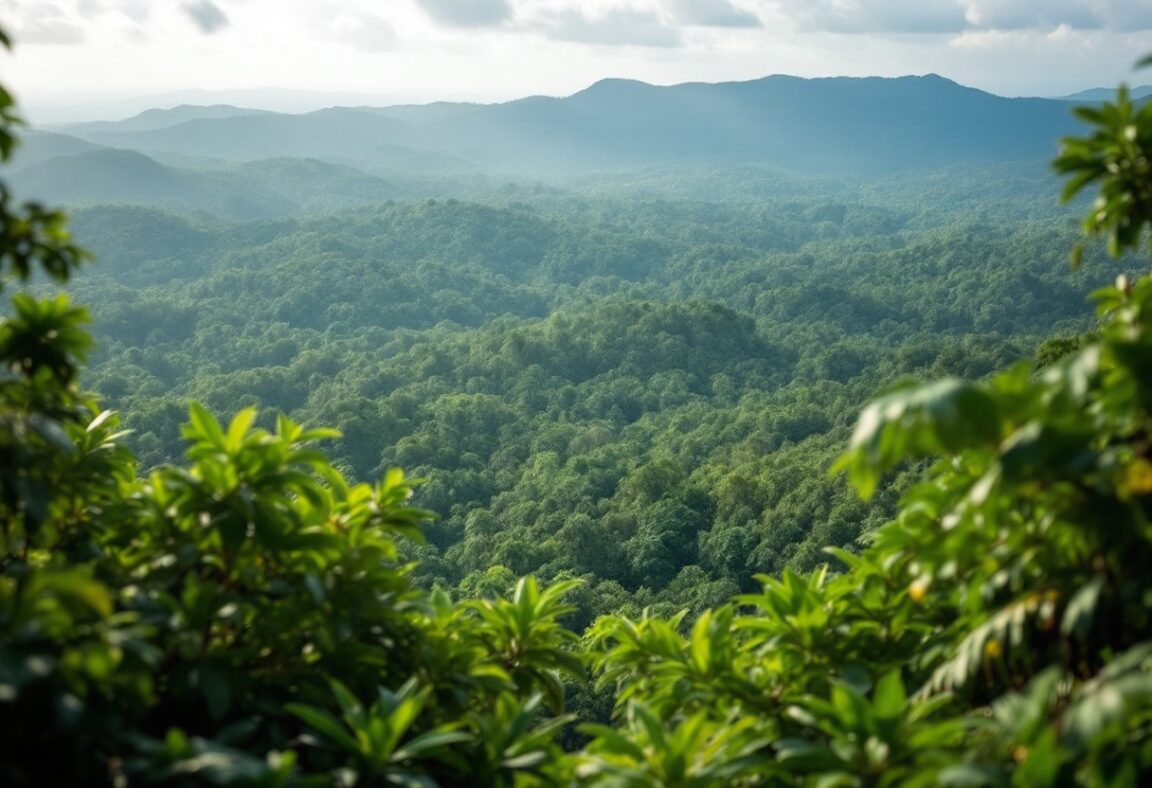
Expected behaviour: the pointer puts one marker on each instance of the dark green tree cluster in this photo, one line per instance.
(247, 618)
(566, 374)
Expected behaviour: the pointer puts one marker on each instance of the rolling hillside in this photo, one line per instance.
(807, 125)
(246, 190)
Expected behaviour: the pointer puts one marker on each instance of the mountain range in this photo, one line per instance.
(1101, 94)
(842, 126)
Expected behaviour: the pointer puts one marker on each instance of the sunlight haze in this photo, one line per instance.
(81, 59)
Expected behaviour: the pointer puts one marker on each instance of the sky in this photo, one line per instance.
(99, 53)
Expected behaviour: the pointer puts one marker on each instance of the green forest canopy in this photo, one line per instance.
(645, 394)
(247, 616)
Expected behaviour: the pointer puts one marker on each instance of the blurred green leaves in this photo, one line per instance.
(1114, 156)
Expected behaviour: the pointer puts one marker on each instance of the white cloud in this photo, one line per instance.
(1017, 15)
(364, 31)
(989, 39)
(511, 48)
(42, 23)
(206, 15)
(136, 10)
(957, 16)
(875, 16)
(1127, 15)
(467, 13)
(616, 26)
(711, 13)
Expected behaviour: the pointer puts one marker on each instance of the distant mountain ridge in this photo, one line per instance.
(805, 125)
(155, 119)
(1103, 94)
(247, 190)
(336, 131)
(719, 139)
(37, 146)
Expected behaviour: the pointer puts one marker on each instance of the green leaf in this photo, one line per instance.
(948, 416)
(325, 724)
(970, 775)
(800, 755)
(349, 703)
(204, 427)
(239, 427)
(889, 698)
(433, 740)
(1081, 610)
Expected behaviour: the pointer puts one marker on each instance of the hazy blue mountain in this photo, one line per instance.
(330, 132)
(1102, 94)
(244, 190)
(153, 119)
(89, 107)
(102, 174)
(318, 185)
(38, 146)
(818, 124)
(109, 175)
(255, 190)
(419, 113)
(393, 159)
(360, 135)
(807, 125)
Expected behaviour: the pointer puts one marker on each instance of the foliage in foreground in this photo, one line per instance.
(246, 620)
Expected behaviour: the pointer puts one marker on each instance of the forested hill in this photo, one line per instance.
(646, 393)
(623, 334)
(807, 125)
(634, 393)
(767, 138)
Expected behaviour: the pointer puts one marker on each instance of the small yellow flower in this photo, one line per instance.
(993, 649)
(1138, 479)
(1019, 754)
(918, 589)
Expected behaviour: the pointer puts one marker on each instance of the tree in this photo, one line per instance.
(997, 632)
(224, 622)
(248, 619)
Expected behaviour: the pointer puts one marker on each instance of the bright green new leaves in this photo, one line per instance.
(649, 661)
(877, 740)
(996, 633)
(1026, 547)
(233, 602)
(524, 633)
(514, 744)
(1115, 154)
(913, 422)
(44, 337)
(695, 753)
(259, 576)
(375, 737)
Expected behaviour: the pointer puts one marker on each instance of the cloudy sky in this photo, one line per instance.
(419, 50)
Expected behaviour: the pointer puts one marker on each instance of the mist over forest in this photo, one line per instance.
(622, 335)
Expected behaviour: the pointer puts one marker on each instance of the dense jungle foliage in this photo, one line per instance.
(642, 393)
(246, 613)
